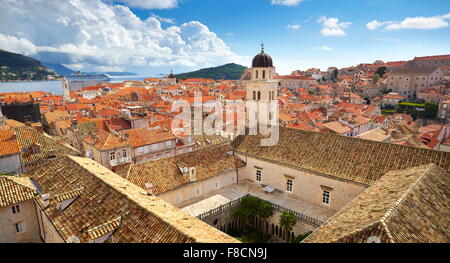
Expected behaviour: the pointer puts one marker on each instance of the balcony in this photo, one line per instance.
(119, 161)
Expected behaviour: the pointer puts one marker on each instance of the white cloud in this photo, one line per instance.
(293, 26)
(376, 24)
(164, 20)
(151, 4)
(17, 45)
(332, 27)
(424, 23)
(109, 68)
(99, 34)
(286, 2)
(323, 48)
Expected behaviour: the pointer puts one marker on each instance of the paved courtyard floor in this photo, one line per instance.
(230, 193)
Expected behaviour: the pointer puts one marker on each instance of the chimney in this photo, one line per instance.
(192, 174)
(74, 122)
(51, 153)
(149, 188)
(45, 200)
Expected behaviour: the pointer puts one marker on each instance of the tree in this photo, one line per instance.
(431, 110)
(265, 210)
(287, 221)
(300, 238)
(376, 77)
(335, 74)
(251, 206)
(381, 71)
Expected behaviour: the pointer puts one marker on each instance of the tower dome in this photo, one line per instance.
(262, 60)
(171, 75)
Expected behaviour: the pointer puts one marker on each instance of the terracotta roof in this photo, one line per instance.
(376, 134)
(206, 141)
(337, 127)
(347, 158)
(165, 174)
(144, 136)
(407, 206)
(108, 113)
(294, 77)
(110, 204)
(413, 71)
(8, 142)
(14, 190)
(52, 116)
(438, 57)
(103, 140)
(48, 148)
(14, 123)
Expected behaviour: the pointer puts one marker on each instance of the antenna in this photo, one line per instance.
(262, 47)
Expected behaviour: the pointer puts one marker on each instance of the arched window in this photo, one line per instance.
(259, 95)
(254, 95)
(256, 74)
(264, 74)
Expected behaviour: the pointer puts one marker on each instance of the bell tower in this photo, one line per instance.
(259, 79)
(260, 85)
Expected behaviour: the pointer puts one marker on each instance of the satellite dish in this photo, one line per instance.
(185, 170)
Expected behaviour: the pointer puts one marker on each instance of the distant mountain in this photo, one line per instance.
(65, 71)
(228, 71)
(121, 73)
(60, 69)
(18, 67)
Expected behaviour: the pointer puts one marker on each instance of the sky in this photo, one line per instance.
(151, 37)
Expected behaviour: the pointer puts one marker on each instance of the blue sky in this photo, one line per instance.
(297, 34)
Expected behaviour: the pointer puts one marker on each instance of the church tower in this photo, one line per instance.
(172, 79)
(259, 80)
(66, 89)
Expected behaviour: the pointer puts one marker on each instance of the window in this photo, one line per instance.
(326, 197)
(124, 153)
(112, 156)
(289, 185)
(264, 74)
(258, 175)
(254, 95)
(36, 150)
(259, 95)
(217, 185)
(256, 74)
(15, 209)
(18, 227)
(198, 191)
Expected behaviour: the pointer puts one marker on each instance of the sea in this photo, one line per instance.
(54, 86)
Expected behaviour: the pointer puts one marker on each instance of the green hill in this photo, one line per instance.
(18, 67)
(228, 71)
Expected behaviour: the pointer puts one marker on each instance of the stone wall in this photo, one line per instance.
(306, 186)
(27, 219)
